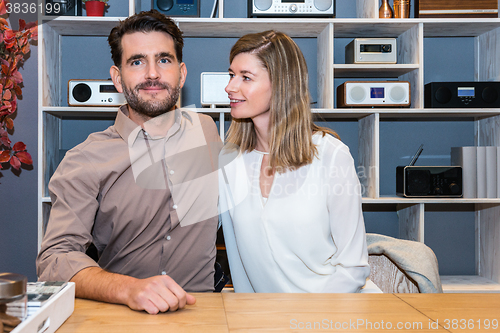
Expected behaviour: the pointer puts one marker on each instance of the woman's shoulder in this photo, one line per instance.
(327, 141)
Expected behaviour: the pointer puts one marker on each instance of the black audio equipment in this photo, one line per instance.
(63, 7)
(289, 8)
(177, 7)
(429, 181)
(474, 94)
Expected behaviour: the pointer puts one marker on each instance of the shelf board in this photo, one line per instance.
(468, 284)
(193, 27)
(372, 71)
(401, 200)
(397, 200)
(295, 27)
(344, 113)
(237, 27)
(82, 25)
(80, 111)
(109, 112)
(366, 28)
(459, 27)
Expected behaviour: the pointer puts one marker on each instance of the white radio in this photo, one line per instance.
(303, 8)
(213, 86)
(371, 51)
(373, 94)
(94, 93)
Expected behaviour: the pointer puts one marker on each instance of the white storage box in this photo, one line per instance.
(52, 314)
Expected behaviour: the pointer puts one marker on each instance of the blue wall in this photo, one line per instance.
(18, 208)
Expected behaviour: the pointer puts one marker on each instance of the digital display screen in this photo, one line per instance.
(185, 2)
(296, 1)
(466, 92)
(370, 48)
(377, 92)
(107, 88)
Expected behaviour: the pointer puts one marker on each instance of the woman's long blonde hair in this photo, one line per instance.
(290, 124)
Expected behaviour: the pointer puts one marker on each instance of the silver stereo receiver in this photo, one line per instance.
(371, 51)
(94, 93)
(302, 8)
(213, 85)
(373, 94)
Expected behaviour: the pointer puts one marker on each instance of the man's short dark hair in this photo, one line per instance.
(148, 21)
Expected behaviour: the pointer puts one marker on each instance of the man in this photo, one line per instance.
(143, 191)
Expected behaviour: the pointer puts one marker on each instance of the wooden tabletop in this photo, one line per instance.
(230, 312)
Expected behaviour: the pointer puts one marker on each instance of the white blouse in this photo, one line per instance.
(308, 237)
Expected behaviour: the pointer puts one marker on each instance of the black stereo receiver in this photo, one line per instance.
(177, 7)
(474, 94)
(429, 181)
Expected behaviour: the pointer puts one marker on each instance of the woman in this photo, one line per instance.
(289, 195)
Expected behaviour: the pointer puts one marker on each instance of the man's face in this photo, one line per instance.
(150, 76)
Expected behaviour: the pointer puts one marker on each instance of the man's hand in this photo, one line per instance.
(155, 294)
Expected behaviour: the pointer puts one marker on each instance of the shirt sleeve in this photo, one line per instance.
(74, 190)
(346, 223)
(239, 277)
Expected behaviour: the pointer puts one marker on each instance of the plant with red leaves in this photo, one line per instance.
(14, 45)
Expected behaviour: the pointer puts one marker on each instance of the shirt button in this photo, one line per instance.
(168, 237)
(171, 172)
(163, 273)
(174, 206)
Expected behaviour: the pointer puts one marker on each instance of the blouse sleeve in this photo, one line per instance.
(239, 277)
(346, 222)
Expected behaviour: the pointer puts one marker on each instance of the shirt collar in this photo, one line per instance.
(129, 130)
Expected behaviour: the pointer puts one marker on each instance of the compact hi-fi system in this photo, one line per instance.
(371, 51)
(475, 94)
(373, 94)
(94, 93)
(213, 86)
(428, 181)
(303, 8)
(177, 7)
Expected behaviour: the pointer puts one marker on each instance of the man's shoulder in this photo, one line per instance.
(205, 121)
(109, 139)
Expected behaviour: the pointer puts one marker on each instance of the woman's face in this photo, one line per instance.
(249, 88)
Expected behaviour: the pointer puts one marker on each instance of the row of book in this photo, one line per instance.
(480, 170)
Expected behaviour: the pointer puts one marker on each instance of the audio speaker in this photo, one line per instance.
(373, 94)
(94, 93)
(280, 8)
(429, 181)
(177, 7)
(213, 86)
(475, 94)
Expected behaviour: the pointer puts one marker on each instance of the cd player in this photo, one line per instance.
(303, 8)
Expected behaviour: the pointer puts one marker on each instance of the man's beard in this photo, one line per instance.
(151, 108)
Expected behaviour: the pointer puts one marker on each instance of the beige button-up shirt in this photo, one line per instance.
(146, 199)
